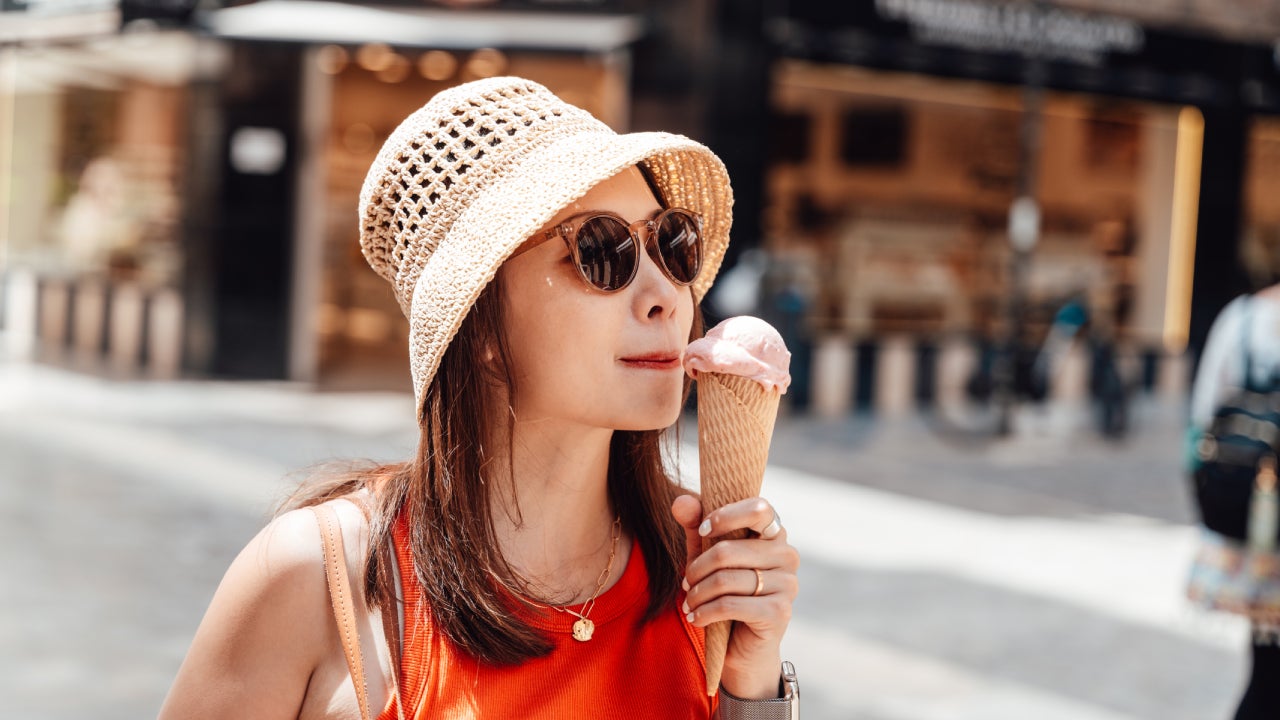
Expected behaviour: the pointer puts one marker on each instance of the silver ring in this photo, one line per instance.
(774, 527)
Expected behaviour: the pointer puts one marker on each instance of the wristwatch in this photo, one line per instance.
(786, 707)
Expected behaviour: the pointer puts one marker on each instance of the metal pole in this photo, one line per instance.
(1024, 226)
(8, 130)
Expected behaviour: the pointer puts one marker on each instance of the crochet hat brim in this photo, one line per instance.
(509, 211)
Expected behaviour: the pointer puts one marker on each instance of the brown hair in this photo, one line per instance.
(464, 578)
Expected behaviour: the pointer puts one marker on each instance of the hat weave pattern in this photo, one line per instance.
(433, 164)
(463, 181)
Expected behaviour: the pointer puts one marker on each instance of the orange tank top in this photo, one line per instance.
(627, 671)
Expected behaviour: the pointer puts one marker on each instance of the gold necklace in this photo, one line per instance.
(583, 628)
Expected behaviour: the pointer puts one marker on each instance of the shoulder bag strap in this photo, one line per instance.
(1246, 324)
(335, 570)
(392, 624)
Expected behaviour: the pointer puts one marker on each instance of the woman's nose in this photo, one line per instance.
(655, 292)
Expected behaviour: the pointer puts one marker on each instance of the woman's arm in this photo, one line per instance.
(266, 630)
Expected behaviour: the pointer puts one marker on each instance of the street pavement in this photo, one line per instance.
(1038, 576)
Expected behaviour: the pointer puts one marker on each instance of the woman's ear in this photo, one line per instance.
(491, 365)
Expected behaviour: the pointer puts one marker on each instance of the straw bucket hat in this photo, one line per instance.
(471, 175)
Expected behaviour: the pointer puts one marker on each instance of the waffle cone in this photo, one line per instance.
(735, 424)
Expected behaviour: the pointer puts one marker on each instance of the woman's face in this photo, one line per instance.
(587, 357)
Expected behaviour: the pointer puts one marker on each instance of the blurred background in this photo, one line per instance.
(994, 235)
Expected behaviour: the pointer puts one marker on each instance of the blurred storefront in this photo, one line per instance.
(93, 159)
(359, 71)
(194, 188)
(361, 330)
(184, 201)
(901, 128)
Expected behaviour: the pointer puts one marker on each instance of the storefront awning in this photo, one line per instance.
(314, 21)
(24, 27)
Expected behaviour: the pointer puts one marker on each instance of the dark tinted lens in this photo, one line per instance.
(680, 244)
(606, 253)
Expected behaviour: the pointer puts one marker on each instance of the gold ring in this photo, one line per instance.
(759, 582)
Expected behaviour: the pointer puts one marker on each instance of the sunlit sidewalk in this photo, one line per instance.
(938, 581)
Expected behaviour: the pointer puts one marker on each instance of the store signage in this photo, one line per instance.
(593, 5)
(56, 20)
(57, 7)
(1047, 32)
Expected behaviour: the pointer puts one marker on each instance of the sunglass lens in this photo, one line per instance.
(680, 244)
(606, 253)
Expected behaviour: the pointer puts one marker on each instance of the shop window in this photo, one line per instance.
(791, 133)
(810, 216)
(874, 137)
(992, 151)
(1112, 145)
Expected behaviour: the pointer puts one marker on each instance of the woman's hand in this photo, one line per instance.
(748, 579)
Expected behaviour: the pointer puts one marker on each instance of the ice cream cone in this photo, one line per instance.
(735, 423)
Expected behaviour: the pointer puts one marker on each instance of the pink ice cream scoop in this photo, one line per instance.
(744, 346)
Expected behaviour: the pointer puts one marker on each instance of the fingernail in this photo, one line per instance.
(689, 617)
(705, 528)
(684, 583)
(685, 607)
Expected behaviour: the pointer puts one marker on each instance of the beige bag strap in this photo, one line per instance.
(391, 626)
(335, 570)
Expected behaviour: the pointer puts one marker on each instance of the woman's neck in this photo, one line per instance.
(551, 509)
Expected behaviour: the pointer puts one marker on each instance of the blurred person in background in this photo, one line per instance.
(535, 559)
(98, 219)
(1229, 574)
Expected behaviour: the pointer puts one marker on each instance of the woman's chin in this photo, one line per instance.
(656, 419)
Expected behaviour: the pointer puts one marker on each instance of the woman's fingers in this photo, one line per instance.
(743, 583)
(731, 595)
(726, 582)
(687, 510)
(721, 583)
(751, 580)
(748, 553)
(755, 514)
(771, 611)
(741, 555)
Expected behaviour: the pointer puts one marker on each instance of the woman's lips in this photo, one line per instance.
(654, 362)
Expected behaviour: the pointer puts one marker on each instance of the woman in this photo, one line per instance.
(1226, 575)
(532, 560)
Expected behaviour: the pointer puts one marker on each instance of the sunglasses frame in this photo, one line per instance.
(567, 230)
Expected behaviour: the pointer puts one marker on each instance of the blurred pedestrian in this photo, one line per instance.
(1237, 568)
(1074, 323)
(533, 559)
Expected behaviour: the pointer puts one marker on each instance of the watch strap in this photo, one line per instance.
(786, 707)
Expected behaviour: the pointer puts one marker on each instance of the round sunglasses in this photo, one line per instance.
(606, 249)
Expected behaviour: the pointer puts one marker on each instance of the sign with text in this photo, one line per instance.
(57, 7)
(1023, 28)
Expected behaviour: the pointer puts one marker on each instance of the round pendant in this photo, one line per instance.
(582, 630)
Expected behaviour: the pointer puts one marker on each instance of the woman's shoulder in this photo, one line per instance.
(292, 542)
(1264, 306)
(1241, 305)
(279, 579)
(1270, 294)
(1228, 324)
(266, 630)
(282, 567)
(1253, 317)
